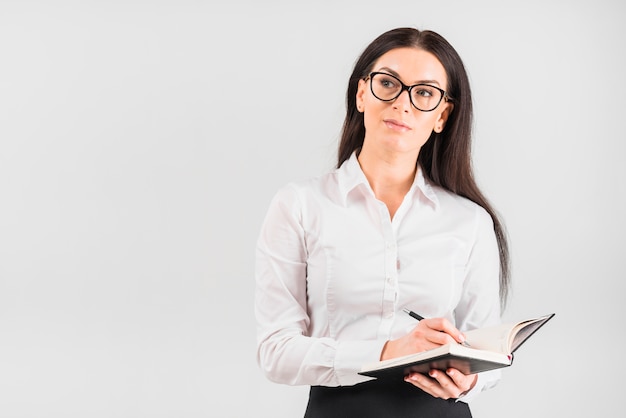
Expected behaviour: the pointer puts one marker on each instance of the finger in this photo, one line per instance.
(427, 384)
(426, 337)
(446, 383)
(462, 381)
(446, 329)
(438, 338)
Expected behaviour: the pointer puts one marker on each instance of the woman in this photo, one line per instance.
(399, 224)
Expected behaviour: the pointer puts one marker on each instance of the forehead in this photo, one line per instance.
(413, 65)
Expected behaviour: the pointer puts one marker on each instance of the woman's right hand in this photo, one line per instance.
(428, 333)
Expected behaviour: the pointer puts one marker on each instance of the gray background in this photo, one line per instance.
(141, 142)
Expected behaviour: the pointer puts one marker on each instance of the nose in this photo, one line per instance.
(403, 102)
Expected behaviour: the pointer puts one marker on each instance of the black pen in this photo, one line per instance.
(420, 317)
(413, 314)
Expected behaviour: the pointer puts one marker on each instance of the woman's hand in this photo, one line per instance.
(427, 334)
(450, 384)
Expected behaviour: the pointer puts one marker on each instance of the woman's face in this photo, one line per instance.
(397, 125)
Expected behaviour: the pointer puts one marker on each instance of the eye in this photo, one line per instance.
(388, 82)
(424, 91)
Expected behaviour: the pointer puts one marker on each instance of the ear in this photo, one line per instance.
(443, 117)
(360, 92)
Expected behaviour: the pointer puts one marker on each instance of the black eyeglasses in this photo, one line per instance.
(423, 97)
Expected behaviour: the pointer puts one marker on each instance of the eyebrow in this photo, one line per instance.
(395, 74)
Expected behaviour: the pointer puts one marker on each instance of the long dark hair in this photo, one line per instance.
(446, 157)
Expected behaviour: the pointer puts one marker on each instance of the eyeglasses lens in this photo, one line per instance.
(423, 96)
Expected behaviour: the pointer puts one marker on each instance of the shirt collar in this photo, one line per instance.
(351, 176)
(425, 187)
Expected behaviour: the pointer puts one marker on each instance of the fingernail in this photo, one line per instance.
(432, 373)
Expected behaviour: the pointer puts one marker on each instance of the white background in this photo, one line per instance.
(141, 142)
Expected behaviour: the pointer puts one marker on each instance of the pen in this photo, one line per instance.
(420, 317)
(413, 314)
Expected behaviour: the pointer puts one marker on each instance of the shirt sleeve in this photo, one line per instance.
(480, 303)
(285, 351)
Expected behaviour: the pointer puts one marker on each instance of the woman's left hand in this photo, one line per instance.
(450, 384)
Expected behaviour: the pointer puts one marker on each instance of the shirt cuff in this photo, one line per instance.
(350, 357)
(485, 380)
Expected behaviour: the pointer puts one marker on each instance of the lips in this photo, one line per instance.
(397, 125)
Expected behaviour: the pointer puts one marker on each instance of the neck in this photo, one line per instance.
(390, 176)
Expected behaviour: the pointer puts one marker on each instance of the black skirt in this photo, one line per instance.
(380, 398)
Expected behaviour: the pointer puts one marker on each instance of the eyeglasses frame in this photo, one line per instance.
(444, 94)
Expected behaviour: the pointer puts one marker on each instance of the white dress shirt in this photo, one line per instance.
(334, 271)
